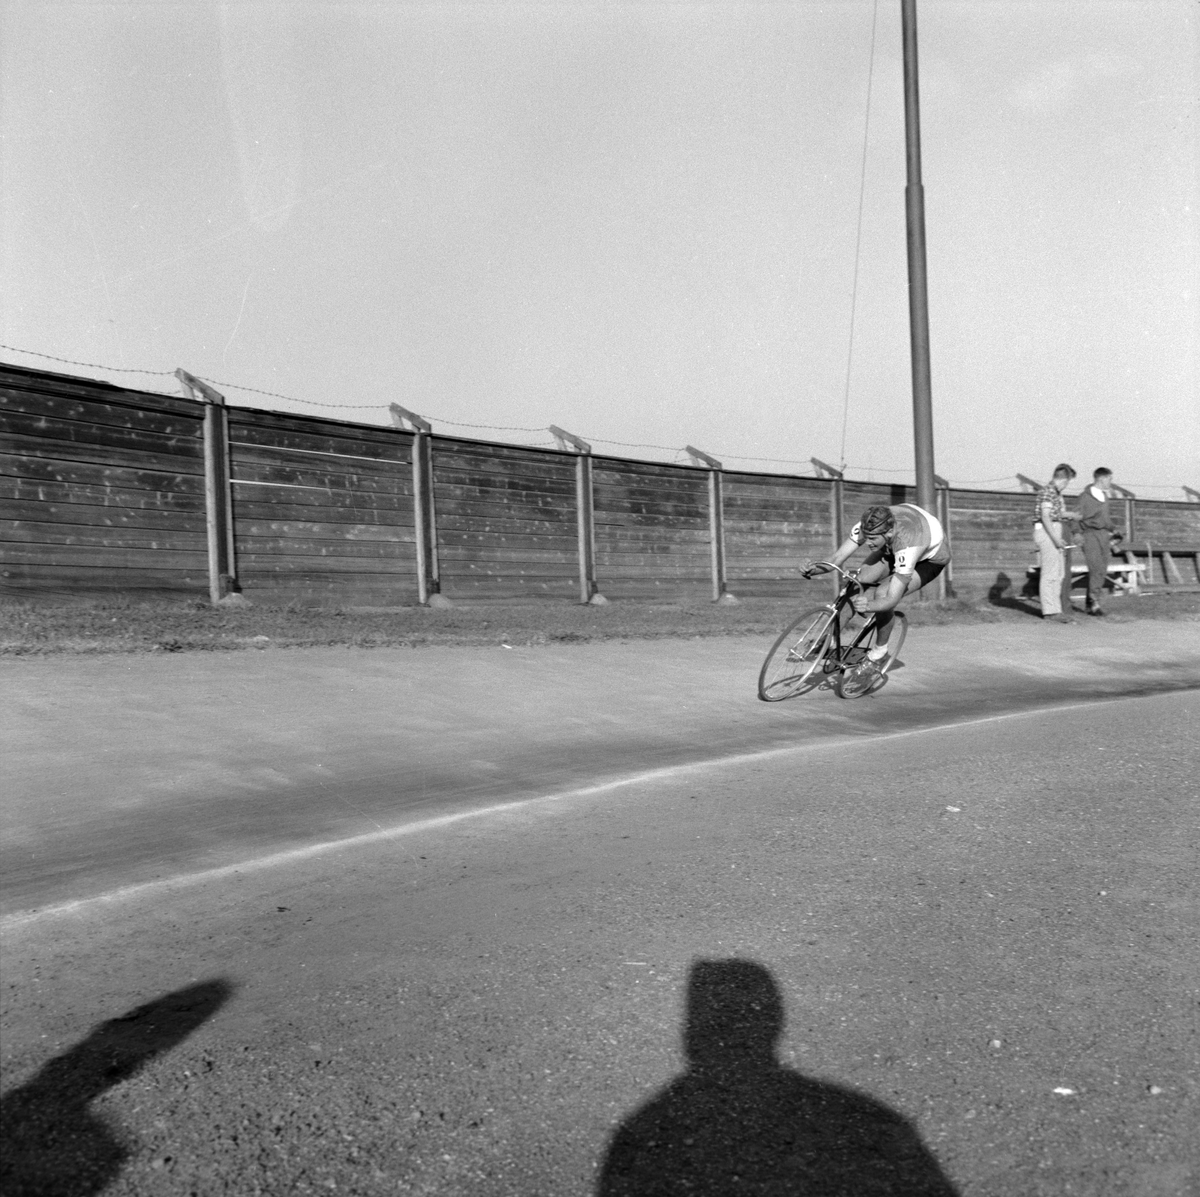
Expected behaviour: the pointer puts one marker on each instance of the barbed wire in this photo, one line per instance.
(292, 398)
(678, 451)
(90, 365)
(599, 440)
(487, 427)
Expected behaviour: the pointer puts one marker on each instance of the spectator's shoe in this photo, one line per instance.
(1058, 618)
(1095, 611)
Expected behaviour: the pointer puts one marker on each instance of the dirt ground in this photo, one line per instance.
(125, 625)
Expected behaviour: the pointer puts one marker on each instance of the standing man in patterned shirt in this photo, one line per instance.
(1098, 535)
(1051, 547)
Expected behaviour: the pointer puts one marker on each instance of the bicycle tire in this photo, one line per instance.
(793, 665)
(852, 682)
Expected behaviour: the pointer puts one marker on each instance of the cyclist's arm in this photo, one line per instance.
(897, 587)
(845, 550)
(888, 597)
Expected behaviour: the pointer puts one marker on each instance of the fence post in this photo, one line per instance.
(218, 498)
(836, 507)
(1130, 501)
(589, 591)
(716, 522)
(429, 583)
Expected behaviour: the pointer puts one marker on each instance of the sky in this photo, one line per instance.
(640, 222)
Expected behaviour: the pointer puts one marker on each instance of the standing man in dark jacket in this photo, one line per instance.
(1096, 524)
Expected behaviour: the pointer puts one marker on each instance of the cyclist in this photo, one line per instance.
(906, 549)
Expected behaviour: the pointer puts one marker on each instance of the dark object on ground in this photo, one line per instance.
(54, 1146)
(739, 1122)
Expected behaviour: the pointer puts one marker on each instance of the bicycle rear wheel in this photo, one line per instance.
(856, 678)
(793, 666)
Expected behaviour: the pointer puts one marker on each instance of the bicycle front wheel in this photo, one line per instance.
(857, 679)
(793, 666)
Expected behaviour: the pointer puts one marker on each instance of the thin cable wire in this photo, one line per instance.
(292, 399)
(862, 191)
(510, 428)
(491, 427)
(90, 365)
(599, 440)
(782, 460)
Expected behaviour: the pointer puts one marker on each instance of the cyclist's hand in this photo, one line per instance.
(859, 603)
(814, 567)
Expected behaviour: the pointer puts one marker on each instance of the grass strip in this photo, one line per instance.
(125, 625)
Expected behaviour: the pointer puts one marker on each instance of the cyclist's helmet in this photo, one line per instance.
(877, 521)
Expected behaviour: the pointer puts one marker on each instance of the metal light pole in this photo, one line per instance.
(918, 295)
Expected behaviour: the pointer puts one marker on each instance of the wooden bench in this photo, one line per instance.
(1125, 575)
(1169, 556)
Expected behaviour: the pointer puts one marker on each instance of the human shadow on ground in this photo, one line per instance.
(54, 1146)
(737, 1121)
(1002, 594)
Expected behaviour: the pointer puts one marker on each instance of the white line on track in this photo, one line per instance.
(294, 855)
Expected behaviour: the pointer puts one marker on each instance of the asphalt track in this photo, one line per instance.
(429, 921)
(122, 770)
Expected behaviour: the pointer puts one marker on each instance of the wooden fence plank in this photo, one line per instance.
(14, 532)
(96, 515)
(318, 426)
(496, 524)
(24, 427)
(114, 557)
(90, 473)
(252, 565)
(25, 407)
(15, 382)
(55, 577)
(112, 498)
(483, 501)
(253, 439)
(313, 546)
(284, 530)
(374, 482)
(113, 456)
(393, 513)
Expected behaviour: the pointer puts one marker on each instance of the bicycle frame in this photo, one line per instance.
(835, 660)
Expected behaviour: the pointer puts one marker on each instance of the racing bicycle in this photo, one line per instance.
(827, 647)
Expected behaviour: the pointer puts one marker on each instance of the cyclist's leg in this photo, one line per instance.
(875, 575)
(925, 573)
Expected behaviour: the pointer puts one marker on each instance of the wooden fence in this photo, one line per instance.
(108, 489)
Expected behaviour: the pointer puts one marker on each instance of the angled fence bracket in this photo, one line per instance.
(218, 491)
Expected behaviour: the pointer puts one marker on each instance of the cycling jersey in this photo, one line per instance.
(917, 536)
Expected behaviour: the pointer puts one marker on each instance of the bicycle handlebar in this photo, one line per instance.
(851, 574)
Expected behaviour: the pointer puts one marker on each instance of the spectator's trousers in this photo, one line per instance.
(1097, 549)
(1051, 561)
